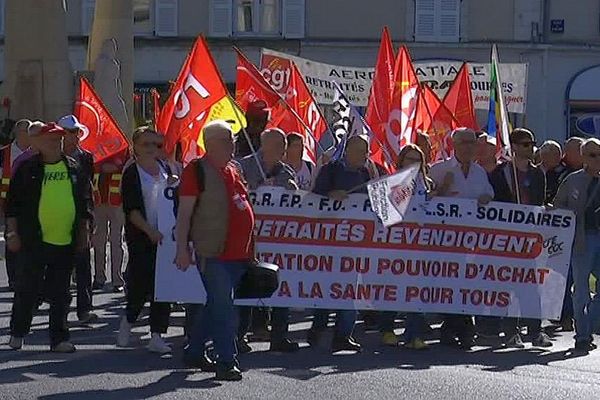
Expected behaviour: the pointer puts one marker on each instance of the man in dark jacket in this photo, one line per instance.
(83, 267)
(47, 215)
(530, 184)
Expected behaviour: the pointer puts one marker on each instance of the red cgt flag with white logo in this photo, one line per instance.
(102, 136)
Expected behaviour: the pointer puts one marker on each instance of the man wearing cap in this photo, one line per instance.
(215, 213)
(257, 117)
(48, 214)
(8, 155)
(83, 268)
(461, 177)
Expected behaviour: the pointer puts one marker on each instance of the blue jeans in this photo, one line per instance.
(218, 319)
(344, 321)
(585, 309)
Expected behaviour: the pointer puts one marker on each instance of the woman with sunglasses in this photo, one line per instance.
(143, 182)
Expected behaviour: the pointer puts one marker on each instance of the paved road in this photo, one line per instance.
(100, 371)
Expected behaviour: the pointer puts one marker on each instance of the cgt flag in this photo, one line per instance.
(102, 136)
(198, 89)
(459, 99)
(391, 195)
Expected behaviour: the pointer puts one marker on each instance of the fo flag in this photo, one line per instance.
(198, 97)
(391, 195)
(102, 136)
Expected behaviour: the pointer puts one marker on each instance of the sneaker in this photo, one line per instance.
(88, 317)
(345, 344)
(417, 344)
(313, 337)
(204, 363)
(63, 347)
(124, 333)
(15, 342)
(117, 289)
(158, 345)
(231, 374)
(542, 340)
(243, 346)
(515, 342)
(389, 339)
(284, 346)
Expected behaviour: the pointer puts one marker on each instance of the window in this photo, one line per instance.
(257, 17)
(437, 20)
(142, 17)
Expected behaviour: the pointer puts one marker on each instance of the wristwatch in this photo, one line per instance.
(9, 235)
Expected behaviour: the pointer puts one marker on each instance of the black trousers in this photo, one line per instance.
(11, 267)
(460, 326)
(83, 276)
(139, 281)
(56, 264)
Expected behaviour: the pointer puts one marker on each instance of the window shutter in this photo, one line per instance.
(294, 16)
(449, 21)
(2, 16)
(166, 18)
(425, 20)
(220, 18)
(87, 16)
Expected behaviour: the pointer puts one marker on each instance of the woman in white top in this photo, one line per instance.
(143, 183)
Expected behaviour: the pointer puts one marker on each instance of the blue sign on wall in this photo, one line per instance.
(557, 25)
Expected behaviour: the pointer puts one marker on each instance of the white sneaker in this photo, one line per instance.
(158, 345)
(15, 343)
(124, 333)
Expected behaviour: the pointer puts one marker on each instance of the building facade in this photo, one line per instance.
(559, 40)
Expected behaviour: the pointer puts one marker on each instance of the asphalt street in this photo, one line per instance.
(98, 370)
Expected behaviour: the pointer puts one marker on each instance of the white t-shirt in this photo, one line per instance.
(305, 176)
(473, 186)
(152, 187)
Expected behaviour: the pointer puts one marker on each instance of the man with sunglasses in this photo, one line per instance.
(580, 192)
(529, 181)
(461, 177)
(83, 267)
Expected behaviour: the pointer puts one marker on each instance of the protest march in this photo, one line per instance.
(242, 208)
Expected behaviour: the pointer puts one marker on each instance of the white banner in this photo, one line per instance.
(356, 81)
(449, 256)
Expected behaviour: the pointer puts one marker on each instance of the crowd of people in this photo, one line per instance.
(59, 206)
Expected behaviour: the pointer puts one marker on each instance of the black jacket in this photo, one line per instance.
(25, 190)
(133, 199)
(535, 182)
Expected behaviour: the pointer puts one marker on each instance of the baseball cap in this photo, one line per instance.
(51, 128)
(70, 122)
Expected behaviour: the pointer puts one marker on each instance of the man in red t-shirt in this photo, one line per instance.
(215, 213)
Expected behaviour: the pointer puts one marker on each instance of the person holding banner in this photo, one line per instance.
(337, 180)
(276, 173)
(461, 177)
(83, 266)
(143, 181)
(580, 192)
(215, 213)
(305, 169)
(530, 183)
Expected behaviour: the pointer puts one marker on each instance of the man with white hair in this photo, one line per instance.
(461, 177)
(551, 163)
(8, 155)
(580, 192)
(215, 213)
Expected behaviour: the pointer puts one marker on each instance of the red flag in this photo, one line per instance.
(434, 118)
(380, 97)
(400, 122)
(197, 89)
(102, 136)
(459, 99)
(301, 100)
(251, 85)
